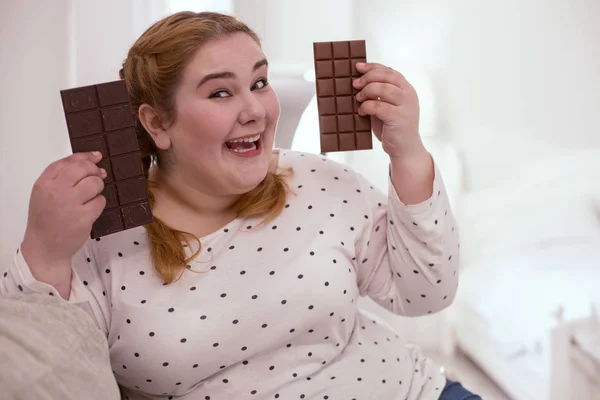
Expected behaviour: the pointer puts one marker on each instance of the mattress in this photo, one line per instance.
(506, 309)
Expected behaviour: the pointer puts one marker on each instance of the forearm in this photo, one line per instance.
(412, 176)
(422, 245)
(57, 275)
(59, 279)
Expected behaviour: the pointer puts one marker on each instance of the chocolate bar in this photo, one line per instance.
(100, 118)
(341, 128)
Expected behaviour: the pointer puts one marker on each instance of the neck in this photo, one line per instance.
(174, 192)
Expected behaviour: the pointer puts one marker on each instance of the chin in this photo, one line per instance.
(249, 168)
(249, 174)
(247, 183)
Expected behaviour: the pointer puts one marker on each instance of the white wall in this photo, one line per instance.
(288, 28)
(34, 67)
(523, 75)
(47, 46)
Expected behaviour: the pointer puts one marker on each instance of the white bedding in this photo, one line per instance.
(530, 254)
(515, 301)
(520, 295)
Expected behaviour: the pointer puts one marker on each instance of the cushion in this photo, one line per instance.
(51, 349)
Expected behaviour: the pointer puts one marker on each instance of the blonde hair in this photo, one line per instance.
(151, 71)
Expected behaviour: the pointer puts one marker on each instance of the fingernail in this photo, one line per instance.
(96, 153)
(360, 64)
(356, 82)
(103, 172)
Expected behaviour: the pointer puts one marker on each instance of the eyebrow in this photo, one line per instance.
(229, 75)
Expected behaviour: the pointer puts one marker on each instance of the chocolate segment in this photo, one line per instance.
(341, 127)
(100, 118)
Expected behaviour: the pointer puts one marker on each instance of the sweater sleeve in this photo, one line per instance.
(407, 255)
(89, 294)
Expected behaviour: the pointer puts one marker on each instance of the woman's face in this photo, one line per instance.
(226, 115)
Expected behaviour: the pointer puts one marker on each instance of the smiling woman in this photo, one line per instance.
(242, 288)
(199, 119)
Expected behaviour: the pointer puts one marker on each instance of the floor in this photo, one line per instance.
(461, 368)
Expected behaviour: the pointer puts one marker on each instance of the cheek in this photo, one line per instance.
(272, 107)
(203, 127)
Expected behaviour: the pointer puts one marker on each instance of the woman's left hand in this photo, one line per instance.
(393, 105)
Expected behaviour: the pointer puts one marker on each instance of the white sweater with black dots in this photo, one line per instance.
(271, 312)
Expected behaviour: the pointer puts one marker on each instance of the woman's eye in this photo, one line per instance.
(261, 83)
(220, 94)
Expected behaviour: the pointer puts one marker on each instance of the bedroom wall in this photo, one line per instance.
(521, 80)
(47, 46)
(35, 66)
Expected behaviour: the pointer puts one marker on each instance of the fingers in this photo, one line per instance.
(382, 110)
(54, 169)
(373, 72)
(88, 188)
(381, 91)
(365, 67)
(76, 171)
(94, 207)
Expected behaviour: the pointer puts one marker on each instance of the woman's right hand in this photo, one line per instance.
(65, 202)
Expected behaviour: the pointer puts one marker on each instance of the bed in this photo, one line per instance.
(576, 359)
(531, 264)
(509, 308)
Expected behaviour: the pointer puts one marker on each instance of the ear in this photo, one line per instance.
(152, 122)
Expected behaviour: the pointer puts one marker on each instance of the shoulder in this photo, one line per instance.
(316, 173)
(315, 165)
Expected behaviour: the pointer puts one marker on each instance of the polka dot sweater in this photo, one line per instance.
(270, 312)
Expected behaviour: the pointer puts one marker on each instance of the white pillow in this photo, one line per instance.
(51, 349)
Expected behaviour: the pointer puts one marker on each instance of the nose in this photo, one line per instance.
(253, 110)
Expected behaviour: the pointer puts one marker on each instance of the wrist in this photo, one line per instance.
(412, 176)
(55, 271)
(417, 158)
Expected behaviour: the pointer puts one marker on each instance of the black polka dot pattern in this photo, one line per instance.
(280, 300)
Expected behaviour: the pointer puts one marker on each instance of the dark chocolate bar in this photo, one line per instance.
(100, 118)
(341, 128)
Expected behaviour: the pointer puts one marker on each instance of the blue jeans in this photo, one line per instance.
(455, 391)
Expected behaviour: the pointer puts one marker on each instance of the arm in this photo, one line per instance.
(409, 250)
(90, 294)
(408, 253)
(412, 176)
(58, 276)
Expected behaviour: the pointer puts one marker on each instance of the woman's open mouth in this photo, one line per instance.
(246, 146)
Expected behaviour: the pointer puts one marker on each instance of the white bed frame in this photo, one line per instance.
(576, 360)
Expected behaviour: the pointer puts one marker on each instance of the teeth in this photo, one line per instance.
(244, 150)
(249, 139)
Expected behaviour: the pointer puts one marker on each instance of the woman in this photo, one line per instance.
(246, 284)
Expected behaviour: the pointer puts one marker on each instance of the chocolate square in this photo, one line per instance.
(121, 142)
(118, 117)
